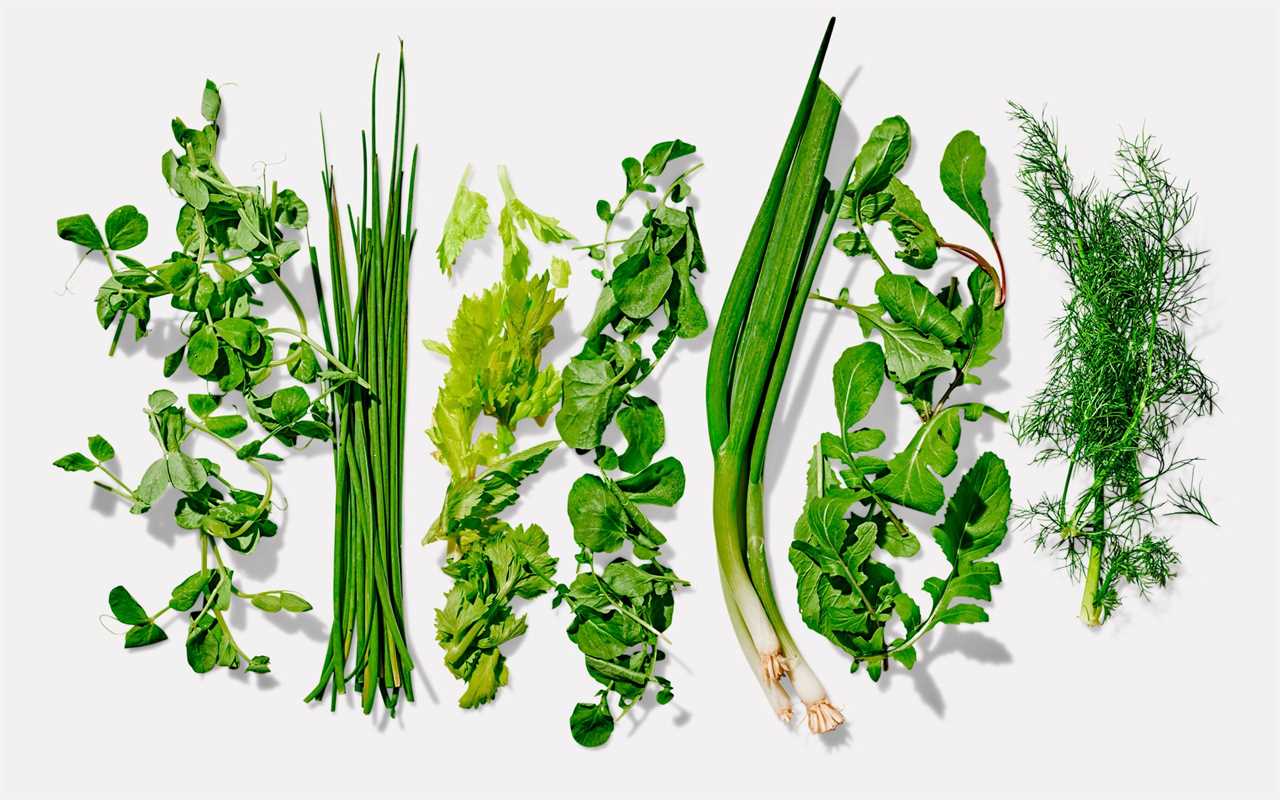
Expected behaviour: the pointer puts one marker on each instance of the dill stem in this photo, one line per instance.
(1090, 611)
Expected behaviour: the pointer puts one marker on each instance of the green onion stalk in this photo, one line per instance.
(750, 353)
(368, 330)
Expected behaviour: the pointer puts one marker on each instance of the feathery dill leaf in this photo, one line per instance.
(1124, 376)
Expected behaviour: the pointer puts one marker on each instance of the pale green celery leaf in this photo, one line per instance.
(467, 221)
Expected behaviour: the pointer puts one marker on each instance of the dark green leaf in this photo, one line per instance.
(227, 425)
(591, 724)
(202, 351)
(963, 169)
(661, 483)
(126, 227)
(600, 523)
(76, 462)
(185, 594)
(882, 155)
(125, 608)
(289, 405)
(644, 428)
(663, 153)
(101, 448)
(143, 635)
(909, 302)
(80, 230)
(857, 377)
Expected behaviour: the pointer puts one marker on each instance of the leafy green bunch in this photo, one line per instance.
(1125, 376)
(622, 607)
(211, 505)
(231, 241)
(852, 514)
(495, 347)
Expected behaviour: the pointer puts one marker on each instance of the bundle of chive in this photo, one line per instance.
(369, 332)
(747, 368)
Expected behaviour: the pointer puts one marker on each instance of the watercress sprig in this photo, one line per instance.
(622, 606)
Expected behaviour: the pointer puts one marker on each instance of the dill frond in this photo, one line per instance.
(1124, 377)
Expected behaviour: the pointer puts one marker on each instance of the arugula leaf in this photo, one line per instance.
(963, 169)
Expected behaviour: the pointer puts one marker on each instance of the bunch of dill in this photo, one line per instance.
(1124, 376)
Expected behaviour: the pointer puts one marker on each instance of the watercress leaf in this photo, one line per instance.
(126, 227)
(600, 522)
(227, 426)
(210, 102)
(857, 378)
(908, 301)
(185, 473)
(289, 405)
(914, 473)
(259, 664)
(633, 172)
(962, 171)
(641, 282)
(881, 156)
(906, 656)
(626, 579)
(467, 221)
(591, 398)
(591, 724)
(202, 351)
(661, 483)
(80, 230)
(125, 609)
(662, 153)
(143, 635)
(76, 462)
(644, 428)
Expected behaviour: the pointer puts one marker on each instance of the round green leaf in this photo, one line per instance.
(126, 228)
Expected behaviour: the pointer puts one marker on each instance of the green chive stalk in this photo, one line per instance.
(368, 330)
(750, 353)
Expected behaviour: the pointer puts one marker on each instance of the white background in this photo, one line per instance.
(1176, 693)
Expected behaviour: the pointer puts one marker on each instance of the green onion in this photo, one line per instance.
(750, 353)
